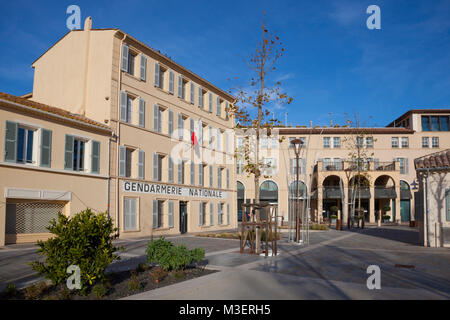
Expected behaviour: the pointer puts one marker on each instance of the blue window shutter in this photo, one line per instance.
(180, 172)
(133, 213)
(200, 214)
(180, 126)
(11, 141)
(126, 213)
(143, 67)
(122, 160)
(157, 84)
(192, 174)
(219, 218)
(155, 213)
(141, 164)
(124, 66)
(170, 169)
(170, 122)
(226, 109)
(170, 214)
(228, 178)
(123, 106)
(211, 214)
(210, 176)
(155, 166)
(46, 148)
(200, 93)
(218, 106)
(95, 157)
(155, 118)
(171, 82)
(192, 92)
(68, 155)
(228, 213)
(210, 102)
(141, 112)
(180, 87)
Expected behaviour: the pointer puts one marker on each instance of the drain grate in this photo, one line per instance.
(406, 266)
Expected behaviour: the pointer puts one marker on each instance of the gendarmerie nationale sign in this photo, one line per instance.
(163, 189)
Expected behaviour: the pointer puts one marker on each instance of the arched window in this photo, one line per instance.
(268, 191)
(293, 190)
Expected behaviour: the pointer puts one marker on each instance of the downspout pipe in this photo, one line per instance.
(119, 87)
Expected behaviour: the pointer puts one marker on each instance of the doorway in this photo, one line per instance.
(183, 217)
(405, 210)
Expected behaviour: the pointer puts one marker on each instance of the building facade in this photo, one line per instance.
(327, 172)
(433, 205)
(171, 160)
(53, 161)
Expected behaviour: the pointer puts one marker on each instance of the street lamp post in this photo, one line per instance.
(297, 144)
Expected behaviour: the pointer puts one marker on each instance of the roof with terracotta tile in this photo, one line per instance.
(435, 160)
(52, 110)
(345, 130)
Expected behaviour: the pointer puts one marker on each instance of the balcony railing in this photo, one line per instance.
(353, 166)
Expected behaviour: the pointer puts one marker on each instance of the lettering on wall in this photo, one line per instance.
(152, 188)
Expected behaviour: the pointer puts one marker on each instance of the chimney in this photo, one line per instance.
(88, 23)
(310, 123)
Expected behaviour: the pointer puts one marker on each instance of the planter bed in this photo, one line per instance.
(119, 285)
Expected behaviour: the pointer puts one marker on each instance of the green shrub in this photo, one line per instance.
(100, 290)
(386, 208)
(158, 274)
(34, 291)
(317, 226)
(85, 241)
(134, 284)
(334, 209)
(10, 290)
(333, 216)
(142, 267)
(386, 217)
(171, 257)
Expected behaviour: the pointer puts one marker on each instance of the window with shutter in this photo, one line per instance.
(124, 66)
(200, 213)
(95, 157)
(68, 155)
(170, 123)
(122, 161)
(180, 87)
(155, 214)
(171, 82)
(228, 213)
(218, 107)
(156, 118)
(123, 106)
(141, 112)
(46, 148)
(200, 97)
(143, 67)
(192, 92)
(11, 141)
(210, 101)
(192, 174)
(155, 166)
(156, 80)
(211, 214)
(129, 213)
(170, 169)
(141, 164)
(228, 178)
(170, 214)
(210, 176)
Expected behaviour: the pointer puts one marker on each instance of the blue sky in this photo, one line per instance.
(333, 63)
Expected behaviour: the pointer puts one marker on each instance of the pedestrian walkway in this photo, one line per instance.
(333, 266)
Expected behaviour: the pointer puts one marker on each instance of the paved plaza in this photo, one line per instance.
(333, 266)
